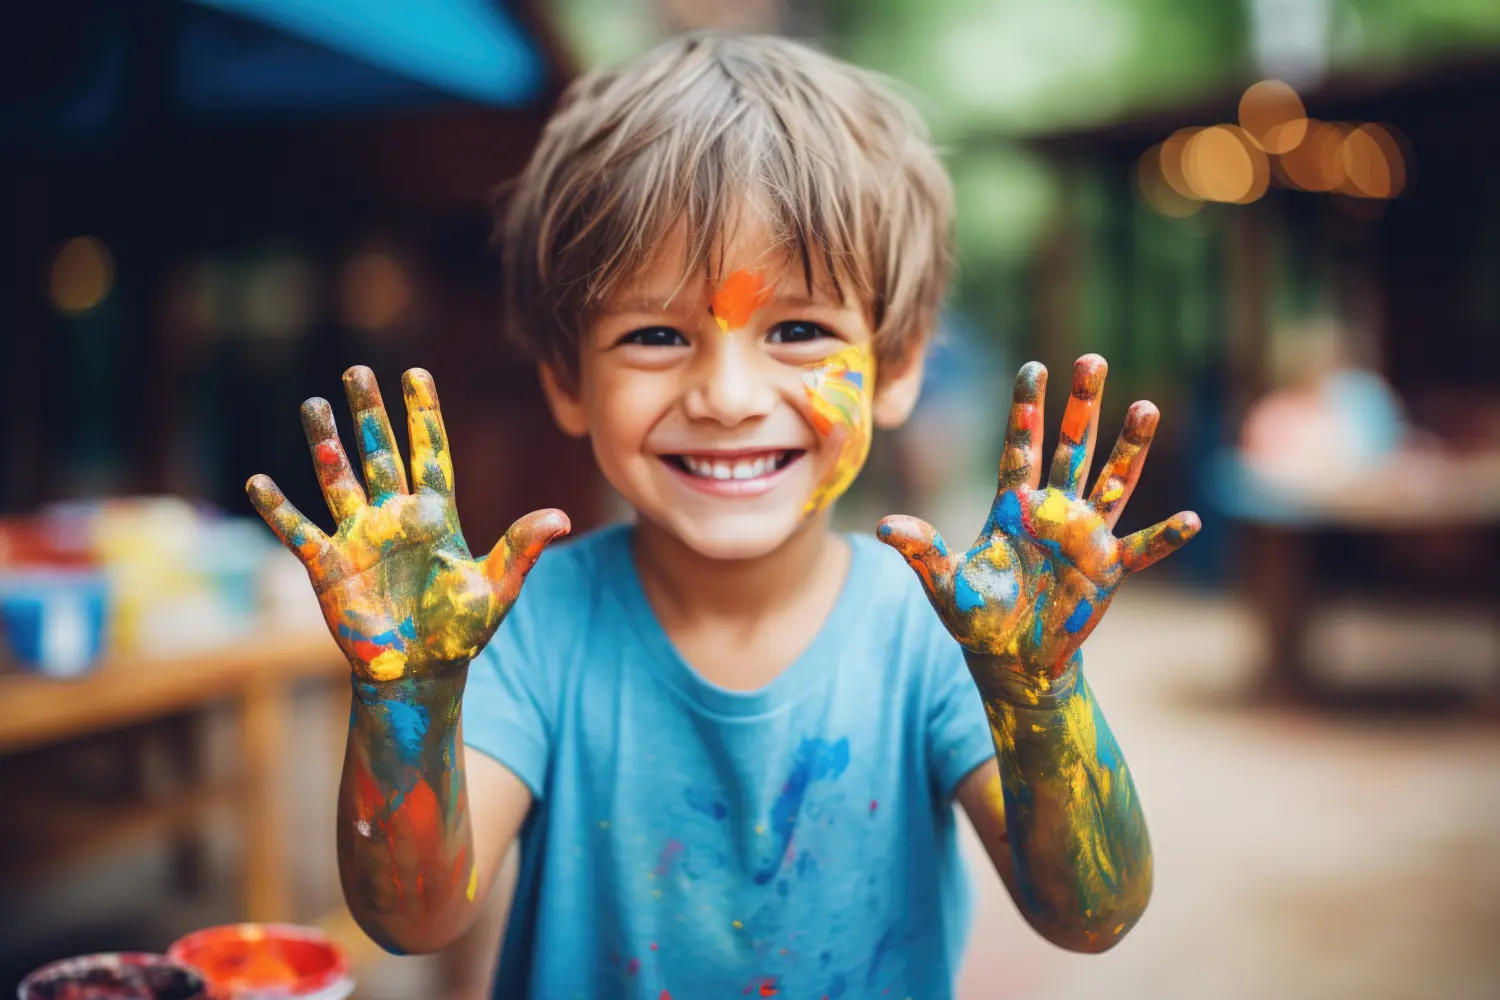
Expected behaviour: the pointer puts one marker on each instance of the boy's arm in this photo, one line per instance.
(1057, 812)
(419, 844)
(410, 608)
(1056, 808)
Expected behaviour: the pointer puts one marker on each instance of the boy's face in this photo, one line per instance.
(731, 416)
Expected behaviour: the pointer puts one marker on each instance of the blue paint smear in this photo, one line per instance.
(408, 726)
(940, 545)
(965, 596)
(1007, 514)
(1105, 748)
(408, 629)
(1074, 461)
(817, 760)
(369, 433)
(392, 638)
(1079, 618)
(1039, 615)
(703, 803)
(1014, 806)
(856, 378)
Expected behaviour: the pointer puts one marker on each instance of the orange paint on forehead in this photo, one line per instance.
(738, 297)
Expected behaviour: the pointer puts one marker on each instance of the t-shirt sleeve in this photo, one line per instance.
(958, 730)
(510, 702)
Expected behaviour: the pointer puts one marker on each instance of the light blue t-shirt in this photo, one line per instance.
(690, 841)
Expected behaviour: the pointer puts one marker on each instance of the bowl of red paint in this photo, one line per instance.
(115, 976)
(266, 962)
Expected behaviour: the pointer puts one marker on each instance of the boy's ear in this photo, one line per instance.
(564, 401)
(897, 385)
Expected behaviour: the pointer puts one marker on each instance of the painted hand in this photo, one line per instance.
(399, 590)
(1046, 564)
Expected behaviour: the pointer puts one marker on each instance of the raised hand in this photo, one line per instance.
(399, 589)
(1046, 564)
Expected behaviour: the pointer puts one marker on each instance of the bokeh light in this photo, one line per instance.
(1160, 194)
(374, 290)
(1273, 116)
(276, 297)
(1372, 163)
(1171, 161)
(1222, 164)
(1317, 162)
(83, 272)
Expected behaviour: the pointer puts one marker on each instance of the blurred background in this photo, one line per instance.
(1278, 219)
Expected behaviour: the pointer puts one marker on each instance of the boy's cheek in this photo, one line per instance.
(840, 390)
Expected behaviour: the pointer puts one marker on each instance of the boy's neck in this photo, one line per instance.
(683, 584)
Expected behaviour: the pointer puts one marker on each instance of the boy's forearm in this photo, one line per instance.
(406, 854)
(1078, 841)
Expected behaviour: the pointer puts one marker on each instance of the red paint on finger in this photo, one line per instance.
(329, 453)
(1075, 420)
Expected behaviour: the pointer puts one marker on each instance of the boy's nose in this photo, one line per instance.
(729, 384)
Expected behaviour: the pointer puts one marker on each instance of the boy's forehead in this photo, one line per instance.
(769, 264)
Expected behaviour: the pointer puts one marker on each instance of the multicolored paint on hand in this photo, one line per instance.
(840, 390)
(410, 607)
(1021, 601)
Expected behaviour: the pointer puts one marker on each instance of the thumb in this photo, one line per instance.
(515, 553)
(923, 549)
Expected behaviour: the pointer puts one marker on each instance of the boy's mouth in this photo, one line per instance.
(738, 474)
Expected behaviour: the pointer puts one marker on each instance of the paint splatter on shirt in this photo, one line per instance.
(694, 841)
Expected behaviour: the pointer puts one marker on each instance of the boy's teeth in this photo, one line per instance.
(744, 468)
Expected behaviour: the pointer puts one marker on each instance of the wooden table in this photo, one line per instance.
(1435, 496)
(256, 677)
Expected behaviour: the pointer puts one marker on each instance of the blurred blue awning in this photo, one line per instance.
(270, 59)
(362, 53)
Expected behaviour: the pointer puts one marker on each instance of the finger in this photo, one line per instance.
(1021, 464)
(340, 488)
(923, 549)
(1153, 544)
(1080, 424)
(1118, 477)
(431, 462)
(305, 539)
(518, 550)
(384, 476)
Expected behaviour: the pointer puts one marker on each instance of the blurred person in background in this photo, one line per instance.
(729, 740)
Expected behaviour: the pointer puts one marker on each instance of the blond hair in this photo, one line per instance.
(835, 162)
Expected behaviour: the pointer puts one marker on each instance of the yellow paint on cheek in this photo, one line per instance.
(840, 391)
(473, 882)
(388, 666)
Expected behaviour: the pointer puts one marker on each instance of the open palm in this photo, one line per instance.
(399, 589)
(1046, 564)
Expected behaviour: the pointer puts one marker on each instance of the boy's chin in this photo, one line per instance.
(735, 537)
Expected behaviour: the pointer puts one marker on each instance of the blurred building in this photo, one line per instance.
(214, 208)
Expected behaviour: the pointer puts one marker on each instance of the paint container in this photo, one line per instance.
(114, 976)
(266, 962)
(54, 619)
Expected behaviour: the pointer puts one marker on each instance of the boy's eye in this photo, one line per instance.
(654, 336)
(796, 332)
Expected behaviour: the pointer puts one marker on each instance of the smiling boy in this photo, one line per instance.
(728, 739)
